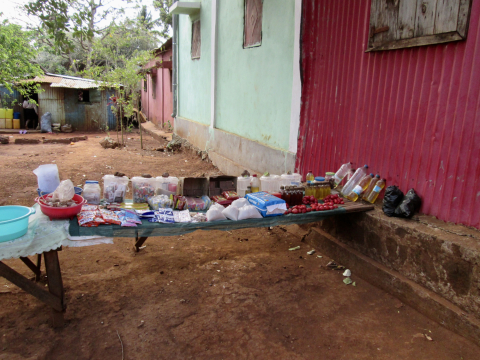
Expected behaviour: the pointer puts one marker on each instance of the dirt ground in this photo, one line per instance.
(205, 295)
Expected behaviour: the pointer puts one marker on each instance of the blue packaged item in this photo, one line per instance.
(268, 205)
(164, 216)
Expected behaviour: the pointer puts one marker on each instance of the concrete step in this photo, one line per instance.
(155, 132)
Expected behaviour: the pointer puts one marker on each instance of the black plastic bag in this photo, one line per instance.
(393, 197)
(46, 123)
(411, 203)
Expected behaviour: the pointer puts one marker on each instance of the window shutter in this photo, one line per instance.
(196, 40)
(396, 24)
(253, 23)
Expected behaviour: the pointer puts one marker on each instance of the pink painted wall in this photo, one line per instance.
(159, 110)
(413, 115)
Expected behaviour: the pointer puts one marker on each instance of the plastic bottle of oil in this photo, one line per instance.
(360, 188)
(310, 176)
(376, 190)
(340, 174)
(370, 187)
(354, 180)
(255, 184)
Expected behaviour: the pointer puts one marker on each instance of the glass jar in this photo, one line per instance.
(91, 192)
(329, 175)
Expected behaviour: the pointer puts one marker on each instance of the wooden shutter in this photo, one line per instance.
(253, 23)
(396, 24)
(196, 40)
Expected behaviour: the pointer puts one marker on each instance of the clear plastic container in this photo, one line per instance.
(143, 189)
(115, 188)
(288, 178)
(91, 192)
(242, 185)
(270, 183)
(329, 175)
(166, 185)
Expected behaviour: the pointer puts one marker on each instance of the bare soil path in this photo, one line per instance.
(205, 295)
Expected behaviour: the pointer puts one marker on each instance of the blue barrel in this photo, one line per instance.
(16, 115)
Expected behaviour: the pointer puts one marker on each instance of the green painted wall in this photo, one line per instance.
(194, 75)
(254, 86)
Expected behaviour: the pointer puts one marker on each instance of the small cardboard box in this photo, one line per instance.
(193, 186)
(219, 184)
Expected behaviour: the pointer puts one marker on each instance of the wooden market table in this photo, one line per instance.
(55, 296)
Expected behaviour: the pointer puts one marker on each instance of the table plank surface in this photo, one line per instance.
(148, 229)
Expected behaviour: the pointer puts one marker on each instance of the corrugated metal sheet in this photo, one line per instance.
(413, 115)
(75, 84)
(47, 79)
(52, 100)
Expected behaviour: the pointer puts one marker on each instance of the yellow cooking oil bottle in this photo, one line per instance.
(376, 190)
(360, 188)
(310, 176)
(370, 187)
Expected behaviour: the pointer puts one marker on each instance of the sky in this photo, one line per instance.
(10, 11)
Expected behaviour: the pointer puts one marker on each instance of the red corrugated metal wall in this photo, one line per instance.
(413, 115)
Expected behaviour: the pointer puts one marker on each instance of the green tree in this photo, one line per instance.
(16, 57)
(145, 18)
(165, 20)
(67, 26)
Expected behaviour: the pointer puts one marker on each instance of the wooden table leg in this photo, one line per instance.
(55, 285)
(32, 266)
(139, 242)
(39, 267)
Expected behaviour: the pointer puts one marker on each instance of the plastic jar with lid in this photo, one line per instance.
(115, 188)
(269, 182)
(91, 192)
(143, 189)
(287, 179)
(166, 185)
(243, 182)
(329, 175)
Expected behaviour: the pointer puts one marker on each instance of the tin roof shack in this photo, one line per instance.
(75, 101)
(157, 96)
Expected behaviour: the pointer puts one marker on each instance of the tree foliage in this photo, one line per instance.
(16, 55)
(165, 20)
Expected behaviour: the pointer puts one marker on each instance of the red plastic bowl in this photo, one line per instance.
(61, 213)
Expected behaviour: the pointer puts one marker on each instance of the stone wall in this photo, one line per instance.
(442, 257)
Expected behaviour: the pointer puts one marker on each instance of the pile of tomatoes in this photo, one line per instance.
(333, 200)
(330, 202)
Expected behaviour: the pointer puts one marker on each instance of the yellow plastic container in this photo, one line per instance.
(2, 123)
(9, 114)
(16, 123)
(8, 123)
(2, 113)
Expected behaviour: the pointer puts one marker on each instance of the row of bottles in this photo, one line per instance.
(359, 183)
(319, 191)
(292, 195)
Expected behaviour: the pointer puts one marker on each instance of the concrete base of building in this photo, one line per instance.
(429, 265)
(232, 153)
